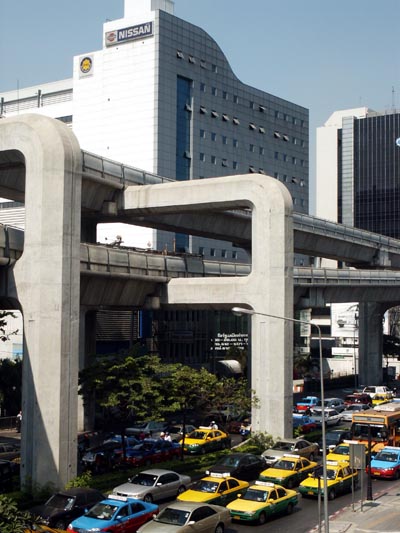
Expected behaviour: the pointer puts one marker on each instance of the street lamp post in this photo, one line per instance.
(244, 311)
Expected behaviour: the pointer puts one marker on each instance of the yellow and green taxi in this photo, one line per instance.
(204, 439)
(340, 478)
(217, 489)
(261, 501)
(288, 471)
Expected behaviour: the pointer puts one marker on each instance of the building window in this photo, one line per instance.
(251, 147)
(203, 63)
(302, 183)
(214, 68)
(294, 180)
(261, 129)
(235, 165)
(235, 99)
(201, 250)
(234, 254)
(224, 254)
(262, 109)
(261, 150)
(252, 126)
(252, 105)
(192, 59)
(179, 54)
(202, 134)
(236, 121)
(203, 110)
(235, 143)
(302, 162)
(261, 171)
(252, 169)
(187, 154)
(213, 160)
(213, 136)
(284, 157)
(214, 114)
(286, 137)
(276, 175)
(224, 95)
(294, 160)
(285, 178)
(276, 155)
(188, 107)
(225, 117)
(277, 114)
(202, 156)
(224, 139)
(214, 91)
(277, 135)
(212, 252)
(224, 162)
(202, 87)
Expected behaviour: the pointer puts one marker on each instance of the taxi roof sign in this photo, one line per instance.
(117, 497)
(265, 483)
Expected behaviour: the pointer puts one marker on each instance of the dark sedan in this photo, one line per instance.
(66, 505)
(150, 451)
(245, 466)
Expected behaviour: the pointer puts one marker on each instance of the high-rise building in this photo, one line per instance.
(161, 96)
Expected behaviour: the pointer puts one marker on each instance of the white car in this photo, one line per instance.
(347, 415)
(189, 517)
(154, 484)
(331, 416)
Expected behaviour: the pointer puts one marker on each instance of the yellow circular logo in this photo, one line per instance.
(86, 65)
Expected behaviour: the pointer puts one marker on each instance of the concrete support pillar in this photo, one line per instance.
(87, 350)
(370, 343)
(267, 290)
(45, 280)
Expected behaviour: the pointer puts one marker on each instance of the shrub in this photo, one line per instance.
(12, 520)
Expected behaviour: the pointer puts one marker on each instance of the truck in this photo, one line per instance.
(306, 404)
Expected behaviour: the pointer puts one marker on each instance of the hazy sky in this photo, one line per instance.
(321, 55)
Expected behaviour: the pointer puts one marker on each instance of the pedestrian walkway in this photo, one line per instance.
(381, 515)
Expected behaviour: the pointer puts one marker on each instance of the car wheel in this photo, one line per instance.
(289, 509)
(311, 457)
(60, 524)
(148, 498)
(181, 489)
(262, 519)
(219, 528)
(331, 494)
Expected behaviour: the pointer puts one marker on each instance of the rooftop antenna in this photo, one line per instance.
(393, 99)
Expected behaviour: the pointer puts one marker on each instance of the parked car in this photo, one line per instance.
(146, 428)
(180, 517)
(331, 416)
(176, 431)
(304, 423)
(204, 439)
(382, 390)
(333, 438)
(148, 452)
(306, 404)
(331, 403)
(288, 471)
(282, 447)
(216, 489)
(347, 414)
(245, 466)
(386, 463)
(233, 426)
(154, 484)
(262, 500)
(66, 505)
(9, 451)
(100, 458)
(115, 513)
(357, 397)
(340, 478)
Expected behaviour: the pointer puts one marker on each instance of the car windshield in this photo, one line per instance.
(341, 450)
(198, 435)
(387, 456)
(284, 464)
(61, 501)
(102, 511)
(256, 495)
(206, 486)
(176, 517)
(331, 473)
(229, 461)
(284, 446)
(147, 480)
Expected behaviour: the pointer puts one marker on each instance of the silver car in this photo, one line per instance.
(154, 484)
(189, 517)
